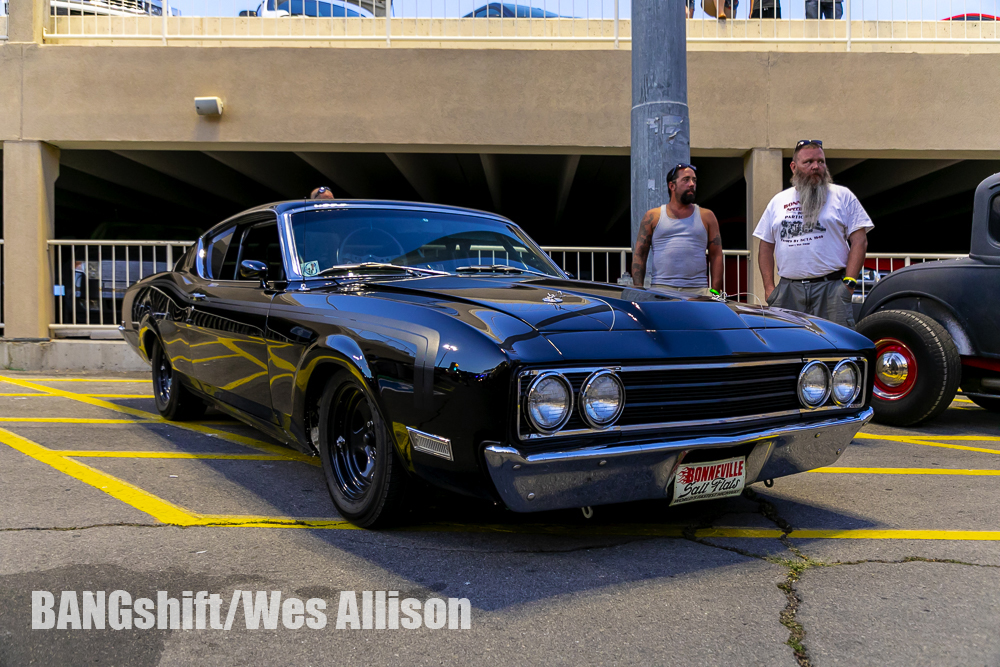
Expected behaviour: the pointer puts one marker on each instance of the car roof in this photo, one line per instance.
(282, 207)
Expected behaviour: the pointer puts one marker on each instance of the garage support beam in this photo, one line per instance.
(30, 170)
(762, 170)
(26, 19)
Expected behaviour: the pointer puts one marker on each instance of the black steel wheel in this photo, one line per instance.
(365, 478)
(172, 398)
(917, 366)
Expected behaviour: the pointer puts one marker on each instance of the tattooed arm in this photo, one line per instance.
(715, 259)
(642, 243)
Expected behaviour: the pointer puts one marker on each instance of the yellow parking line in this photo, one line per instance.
(44, 395)
(8, 378)
(895, 534)
(159, 509)
(909, 471)
(983, 438)
(916, 441)
(253, 443)
(93, 453)
(72, 420)
(169, 513)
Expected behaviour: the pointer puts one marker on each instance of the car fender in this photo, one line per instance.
(934, 308)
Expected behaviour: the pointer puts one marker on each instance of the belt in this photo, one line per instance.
(836, 275)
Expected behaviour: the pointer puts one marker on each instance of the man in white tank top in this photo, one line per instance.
(673, 238)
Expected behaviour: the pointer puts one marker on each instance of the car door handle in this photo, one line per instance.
(198, 296)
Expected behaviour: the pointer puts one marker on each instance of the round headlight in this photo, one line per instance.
(550, 400)
(846, 382)
(814, 384)
(602, 399)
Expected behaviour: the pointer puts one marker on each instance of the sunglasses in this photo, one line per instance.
(682, 165)
(808, 142)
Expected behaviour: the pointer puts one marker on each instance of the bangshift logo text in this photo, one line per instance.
(118, 610)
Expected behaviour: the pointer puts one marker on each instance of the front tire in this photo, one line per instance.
(917, 366)
(365, 478)
(173, 400)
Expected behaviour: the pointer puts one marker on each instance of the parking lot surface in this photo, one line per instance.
(891, 557)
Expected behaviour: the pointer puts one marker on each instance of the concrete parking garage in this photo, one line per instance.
(891, 557)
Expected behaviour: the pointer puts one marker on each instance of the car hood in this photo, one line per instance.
(556, 305)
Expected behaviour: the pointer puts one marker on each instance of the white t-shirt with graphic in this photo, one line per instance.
(802, 253)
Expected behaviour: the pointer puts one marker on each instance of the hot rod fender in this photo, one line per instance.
(934, 308)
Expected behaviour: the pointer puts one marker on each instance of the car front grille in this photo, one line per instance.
(681, 395)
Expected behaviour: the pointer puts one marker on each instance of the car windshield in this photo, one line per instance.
(451, 242)
(317, 9)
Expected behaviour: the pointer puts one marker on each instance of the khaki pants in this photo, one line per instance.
(829, 299)
(703, 291)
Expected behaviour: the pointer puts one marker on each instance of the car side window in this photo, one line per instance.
(261, 243)
(216, 249)
(995, 219)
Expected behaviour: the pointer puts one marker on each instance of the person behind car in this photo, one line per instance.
(322, 192)
(674, 237)
(817, 233)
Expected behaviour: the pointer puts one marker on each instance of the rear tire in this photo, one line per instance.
(173, 400)
(365, 478)
(917, 366)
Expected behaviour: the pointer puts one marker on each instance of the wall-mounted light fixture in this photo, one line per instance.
(208, 106)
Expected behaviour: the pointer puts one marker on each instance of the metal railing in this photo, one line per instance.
(89, 279)
(610, 265)
(602, 23)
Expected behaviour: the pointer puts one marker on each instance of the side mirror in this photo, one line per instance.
(252, 269)
(572, 276)
(248, 12)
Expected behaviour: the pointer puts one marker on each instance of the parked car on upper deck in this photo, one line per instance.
(398, 340)
(512, 10)
(936, 326)
(310, 8)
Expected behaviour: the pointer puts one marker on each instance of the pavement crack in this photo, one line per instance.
(912, 559)
(795, 566)
(94, 525)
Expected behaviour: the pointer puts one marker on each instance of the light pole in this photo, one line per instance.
(661, 136)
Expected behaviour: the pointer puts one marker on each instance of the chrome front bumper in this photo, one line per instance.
(622, 473)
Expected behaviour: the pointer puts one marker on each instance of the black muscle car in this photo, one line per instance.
(936, 326)
(398, 340)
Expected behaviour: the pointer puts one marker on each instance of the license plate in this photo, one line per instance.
(706, 481)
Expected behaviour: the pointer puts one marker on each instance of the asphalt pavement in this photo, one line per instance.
(891, 557)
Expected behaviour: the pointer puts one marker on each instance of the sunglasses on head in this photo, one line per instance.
(808, 142)
(673, 172)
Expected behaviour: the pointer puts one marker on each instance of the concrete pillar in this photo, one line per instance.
(30, 169)
(26, 20)
(763, 170)
(661, 133)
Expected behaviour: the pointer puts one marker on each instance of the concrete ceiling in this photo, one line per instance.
(917, 205)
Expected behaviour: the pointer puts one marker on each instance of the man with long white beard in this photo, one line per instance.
(817, 232)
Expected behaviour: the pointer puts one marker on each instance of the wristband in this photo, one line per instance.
(849, 281)
(715, 292)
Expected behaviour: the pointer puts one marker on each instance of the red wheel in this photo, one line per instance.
(917, 367)
(895, 369)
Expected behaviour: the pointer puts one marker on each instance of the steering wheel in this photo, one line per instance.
(371, 245)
